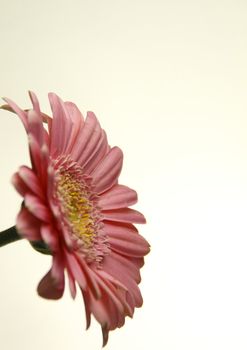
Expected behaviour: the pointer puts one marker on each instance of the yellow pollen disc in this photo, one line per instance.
(76, 207)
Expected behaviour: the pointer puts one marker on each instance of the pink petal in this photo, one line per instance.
(77, 121)
(90, 145)
(19, 185)
(21, 114)
(91, 280)
(72, 285)
(126, 265)
(117, 197)
(124, 215)
(28, 225)
(35, 102)
(117, 270)
(35, 127)
(52, 284)
(35, 153)
(37, 208)
(76, 270)
(31, 181)
(61, 126)
(124, 242)
(107, 172)
(91, 124)
(49, 236)
(99, 154)
(87, 302)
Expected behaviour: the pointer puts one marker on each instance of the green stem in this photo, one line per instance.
(9, 236)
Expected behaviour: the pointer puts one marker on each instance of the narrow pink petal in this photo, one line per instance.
(35, 154)
(126, 264)
(117, 197)
(19, 185)
(28, 225)
(90, 146)
(107, 172)
(49, 236)
(35, 127)
(107, 288)
(31, 181)
(87, 301)
(124, 215)
(77, 121)
(57, 270)
(91, 123)
(61, 126)
(100, 312)
(35, 102)
(37, 208)
(91, 280)
(52, 284)
(20, 112)
(99, 154)
(72, 285)
(76, 270)
(49, 289)
(129, 245)
(116, 269)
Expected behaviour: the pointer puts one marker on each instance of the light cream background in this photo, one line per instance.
(168, 81)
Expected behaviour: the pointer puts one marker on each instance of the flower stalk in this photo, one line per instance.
(9, 236)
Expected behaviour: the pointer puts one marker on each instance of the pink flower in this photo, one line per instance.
(73, 203)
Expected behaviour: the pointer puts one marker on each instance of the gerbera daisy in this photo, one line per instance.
(72, 202)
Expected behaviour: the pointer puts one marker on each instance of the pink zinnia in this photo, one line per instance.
(74, 204)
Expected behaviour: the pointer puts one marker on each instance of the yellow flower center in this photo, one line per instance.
(77, 207)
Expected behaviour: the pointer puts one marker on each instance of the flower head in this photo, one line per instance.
(75, 205)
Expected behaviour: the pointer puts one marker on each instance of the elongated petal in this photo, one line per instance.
(37, 208)
(117, 197)
(61, 126)
(49, 236)
(28, 225)
(52, 284)
(89, 129)
(31, 181)
(20, 112)
(35, 127)
(126, 242)
(77, 121)
(124, 215)
(99, 154)
(35, 102)
(20, 185)
(76, 270)
(107, 172)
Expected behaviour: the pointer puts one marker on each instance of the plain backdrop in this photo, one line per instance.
(168, 82)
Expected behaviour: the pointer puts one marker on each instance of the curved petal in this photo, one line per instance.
(52, 284)
(19, 184)
(124, 215)
(16, 109)
(35, 127)
(125, 240)
(90, 126)
(37, 208)
(98, 155)
(61, 126)
(77, 123)
(27, 225)
(119, 196)
(49, 236)
(30, 180)
(107, 172)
